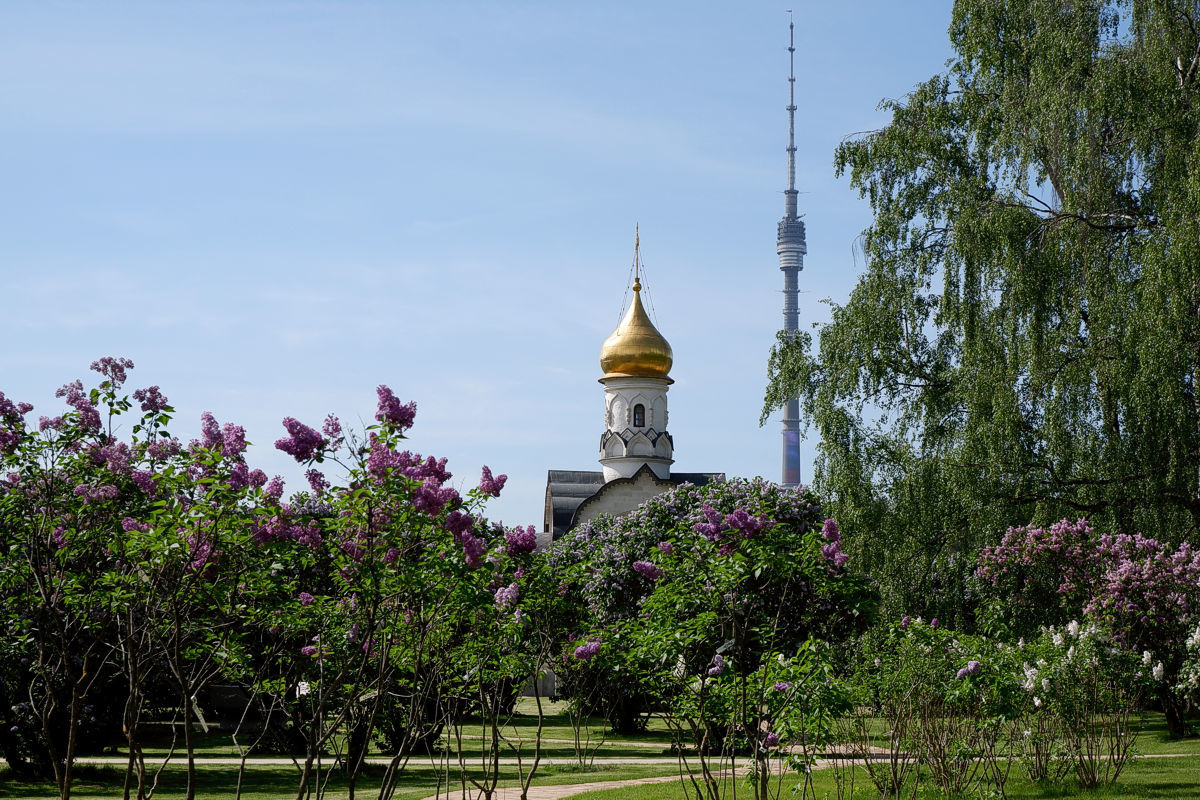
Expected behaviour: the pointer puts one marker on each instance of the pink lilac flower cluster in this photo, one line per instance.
(204, 554)
(164, 448)
(1146, 588)
(332, 428)
(113, 369)
(12, 423)
(1030, 560)
(96, 494)
(506, 596)
(317, 481)
(832, 552)
(281, 527)
(153, 401)
(588, 650)
(302, 442)
(727, 529)
(489, 485)
(381, 459)
(971, 668)
(717, 666)
(521, 541)
(647, 569)
(114, 455)
(77, 398)
(392, 412)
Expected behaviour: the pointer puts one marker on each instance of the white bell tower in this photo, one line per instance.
(636, 360)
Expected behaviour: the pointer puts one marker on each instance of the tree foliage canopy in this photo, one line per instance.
(1025, 342)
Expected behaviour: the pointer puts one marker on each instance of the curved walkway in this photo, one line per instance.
(556, 791)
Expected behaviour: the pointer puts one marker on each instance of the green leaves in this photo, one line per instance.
(1024, 344)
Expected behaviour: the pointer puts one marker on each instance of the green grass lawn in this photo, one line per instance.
(1145, 779)
(1149, 777)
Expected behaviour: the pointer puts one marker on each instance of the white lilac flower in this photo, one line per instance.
(1037, 702)
(1146, 657)
(1045, 684)
(1158, 671)
(1073, 628)
(1070, 652)
(1057, 639)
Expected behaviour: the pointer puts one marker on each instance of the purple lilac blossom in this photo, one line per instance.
(164, 448)
(306, 599)
(274, 488)
(666, 548)
(489, 485)
(113, 369)
(521, 541)
(210, 431)
(588, 651)
(12, 423)
(144, 480)
(971, 668)
(506, 596)
(89, 417)
(458, 522)
(233, 440)
(392, 412)
(316, 481)
(473, 549)
(309, 650)
(647, 569)
(302, 442)
(718, 666)
(783, 686)
(904, 622)
(830, 531)
(153, 401)
(771, 740)
(933, 623)
(332, 428)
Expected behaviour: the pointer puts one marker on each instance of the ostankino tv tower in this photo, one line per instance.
(791, 248)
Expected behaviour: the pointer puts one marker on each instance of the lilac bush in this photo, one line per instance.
(1144, 592)
(149, 562)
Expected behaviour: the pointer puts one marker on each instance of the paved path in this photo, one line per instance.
(555, 792)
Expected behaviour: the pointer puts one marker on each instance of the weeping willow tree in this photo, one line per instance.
(1025, 342)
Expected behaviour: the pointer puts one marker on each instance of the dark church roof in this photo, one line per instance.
(566, 489)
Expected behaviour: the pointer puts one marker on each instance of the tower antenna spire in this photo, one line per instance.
(791, 247)
(790, 194)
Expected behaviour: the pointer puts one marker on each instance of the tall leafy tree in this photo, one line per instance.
(1025, 342)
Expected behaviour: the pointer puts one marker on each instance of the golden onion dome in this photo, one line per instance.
(636, 348)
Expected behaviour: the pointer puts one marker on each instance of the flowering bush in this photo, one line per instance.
(1145, 593)
(1080, 689)
(946, 698)
(142, 562)
(705, 598)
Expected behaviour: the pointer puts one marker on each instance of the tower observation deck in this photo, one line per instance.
(791, 247)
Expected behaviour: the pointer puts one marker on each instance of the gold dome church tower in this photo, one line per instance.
(636, 451)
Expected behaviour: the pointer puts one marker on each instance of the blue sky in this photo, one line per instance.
(273, 207)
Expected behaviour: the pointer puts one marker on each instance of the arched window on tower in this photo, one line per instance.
(639, 416)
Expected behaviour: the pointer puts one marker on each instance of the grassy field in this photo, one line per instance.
(1168, 769)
